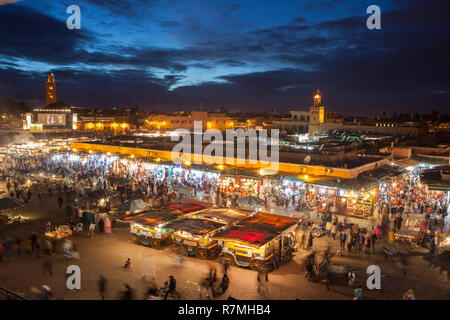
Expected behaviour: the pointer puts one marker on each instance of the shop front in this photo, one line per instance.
(344, 201)
(244, 186)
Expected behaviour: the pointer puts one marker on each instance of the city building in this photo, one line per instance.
(51, 118)
(317, 121)
(99, 123)
(185, 120)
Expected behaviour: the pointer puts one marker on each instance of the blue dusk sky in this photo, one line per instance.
(252, 55)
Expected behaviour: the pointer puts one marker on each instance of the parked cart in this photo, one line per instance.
(254, 241)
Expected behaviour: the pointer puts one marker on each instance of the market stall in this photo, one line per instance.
(10, 217)
(361, 204)
(100, 198)
(61, 232)
(148, 227)
(251, 203)
(255, 240)
(193, 237)
(241, 182)
(132, 206)
(445, 243)
(184, 192)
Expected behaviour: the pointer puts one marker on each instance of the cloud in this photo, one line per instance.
(318, 5)
(403, 66)
(27, 33)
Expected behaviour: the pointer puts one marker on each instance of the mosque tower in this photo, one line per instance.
(50, 89)
(316, 114)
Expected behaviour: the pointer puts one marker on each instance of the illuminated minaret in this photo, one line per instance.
(50, 89)
(316, 114)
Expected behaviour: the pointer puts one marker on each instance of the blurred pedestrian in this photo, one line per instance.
(60, 202)
(310, 241)
(358, 294)
(102, 286)
(368, 243)
(225, 265)
(171, 287)
(329, 280)
(19, 245)
(47, 266)
(263, 274)
(48, 226)
(2, 251)
(342, 238)
(28, 246)
(128, 293)
(91, 230)
(261, 284)
(373, 239)
(101, 225)
(107, 226)
(409, 295)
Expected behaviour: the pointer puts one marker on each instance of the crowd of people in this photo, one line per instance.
(71, 177)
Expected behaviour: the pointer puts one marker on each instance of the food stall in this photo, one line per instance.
(100, 199)
(242, 182)
(184, 192)
(410, 232)
(61, 232)
(193, 237)
(361, 203)
(148, 227)
(445, 243)
(254, 240)
(9, 218)
(132, 206)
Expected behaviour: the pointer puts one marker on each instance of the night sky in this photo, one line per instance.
(240, 55)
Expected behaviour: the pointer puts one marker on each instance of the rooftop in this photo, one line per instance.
(198, 227)
(257, 230)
